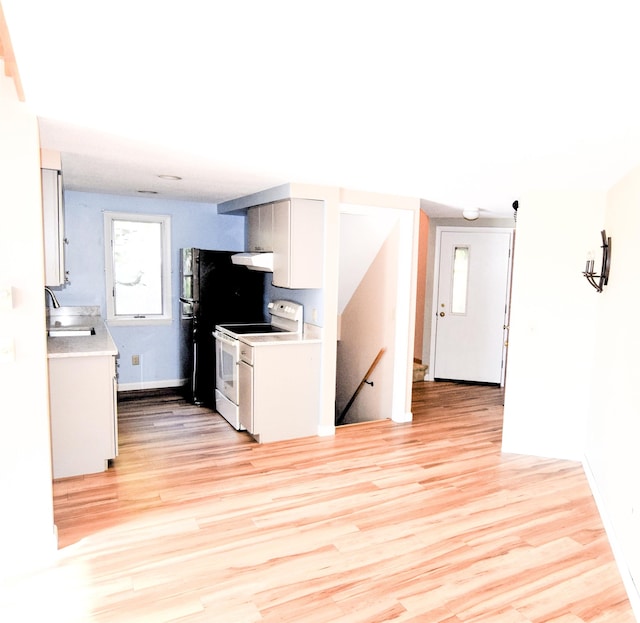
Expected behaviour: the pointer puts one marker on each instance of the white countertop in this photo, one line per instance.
(100, 344)
(311, 335)
(278, 338)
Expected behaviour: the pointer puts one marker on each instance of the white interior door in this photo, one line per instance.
(471, 302)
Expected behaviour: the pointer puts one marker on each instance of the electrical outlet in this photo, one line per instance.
(135, 360)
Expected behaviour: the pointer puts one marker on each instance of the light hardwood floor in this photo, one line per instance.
(426, 522)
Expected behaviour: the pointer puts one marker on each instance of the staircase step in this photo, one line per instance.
(419, 371)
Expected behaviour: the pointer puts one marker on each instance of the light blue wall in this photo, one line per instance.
(192, 225)
(310, 298)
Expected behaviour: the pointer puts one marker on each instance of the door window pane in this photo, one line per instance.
(460, 280)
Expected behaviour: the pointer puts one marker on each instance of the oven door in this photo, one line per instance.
(227, 353)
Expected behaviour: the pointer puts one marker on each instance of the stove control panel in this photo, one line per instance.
(286, 309)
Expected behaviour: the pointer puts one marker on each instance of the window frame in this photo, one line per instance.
(166, 317)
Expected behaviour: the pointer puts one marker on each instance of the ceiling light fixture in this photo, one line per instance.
(170, 177)
(148, 192)
(471, 214)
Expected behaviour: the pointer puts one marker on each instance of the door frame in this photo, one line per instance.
(436, 286)
(399, 382)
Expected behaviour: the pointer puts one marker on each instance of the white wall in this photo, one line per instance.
(572, 388)
(551, 341)
(26, 521)
(363, 231)
(614, 415)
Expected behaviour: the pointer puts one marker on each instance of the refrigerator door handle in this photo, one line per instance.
(194, 372)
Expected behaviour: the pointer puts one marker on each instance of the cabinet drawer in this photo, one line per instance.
(246, 353)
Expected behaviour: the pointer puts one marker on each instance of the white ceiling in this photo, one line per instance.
(459, 102)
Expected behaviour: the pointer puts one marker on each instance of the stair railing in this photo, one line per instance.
(340, 418)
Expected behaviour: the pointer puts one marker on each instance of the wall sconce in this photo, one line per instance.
(601, 280)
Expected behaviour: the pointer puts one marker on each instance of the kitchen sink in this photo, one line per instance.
(70, 322)
(76, 331)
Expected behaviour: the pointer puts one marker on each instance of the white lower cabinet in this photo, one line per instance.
(280, 390)
(245, 396)
(84, 423)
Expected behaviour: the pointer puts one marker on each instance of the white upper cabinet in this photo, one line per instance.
(53, 221)
(260, 228)
(298, 243)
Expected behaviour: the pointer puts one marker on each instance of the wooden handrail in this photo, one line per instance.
(342, 415)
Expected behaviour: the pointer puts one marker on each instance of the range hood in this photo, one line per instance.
(254, 261)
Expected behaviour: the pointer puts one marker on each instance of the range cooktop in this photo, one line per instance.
(257, 328)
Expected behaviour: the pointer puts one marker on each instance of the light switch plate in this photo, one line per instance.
(6, 298)
(7, 350)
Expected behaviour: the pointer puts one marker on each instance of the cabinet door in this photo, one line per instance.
(286, 390)
(260, 228)
(298, 243)
(266, 227)
(82, 414)
(253, 229)
(114, 410)
(281, 240)
(245, 397)
(53, 222)
(307, 243)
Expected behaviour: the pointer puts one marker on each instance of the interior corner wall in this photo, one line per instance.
(551, 340)
(365, 329)
(27, 533)
(613, 429)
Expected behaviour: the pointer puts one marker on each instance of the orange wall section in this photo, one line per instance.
(421, 286)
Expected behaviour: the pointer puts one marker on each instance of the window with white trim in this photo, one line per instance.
(138, 268)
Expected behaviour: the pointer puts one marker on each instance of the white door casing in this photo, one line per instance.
(470, 303)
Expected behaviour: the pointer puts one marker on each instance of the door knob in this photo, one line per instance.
(442, 314)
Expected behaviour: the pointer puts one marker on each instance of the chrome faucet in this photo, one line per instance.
(54, 300)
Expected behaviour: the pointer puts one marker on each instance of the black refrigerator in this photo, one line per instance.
(212, 291)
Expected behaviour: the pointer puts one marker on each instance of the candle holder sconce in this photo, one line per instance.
(601, 280)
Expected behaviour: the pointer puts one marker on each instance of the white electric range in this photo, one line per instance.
(286, 318)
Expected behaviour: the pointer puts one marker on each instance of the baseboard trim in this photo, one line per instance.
(128, 387)
(402, 418)
(326, 431)
(616, 547)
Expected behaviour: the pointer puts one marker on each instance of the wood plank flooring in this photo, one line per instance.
(425, 521)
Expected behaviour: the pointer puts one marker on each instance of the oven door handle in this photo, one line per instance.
(225, 339)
